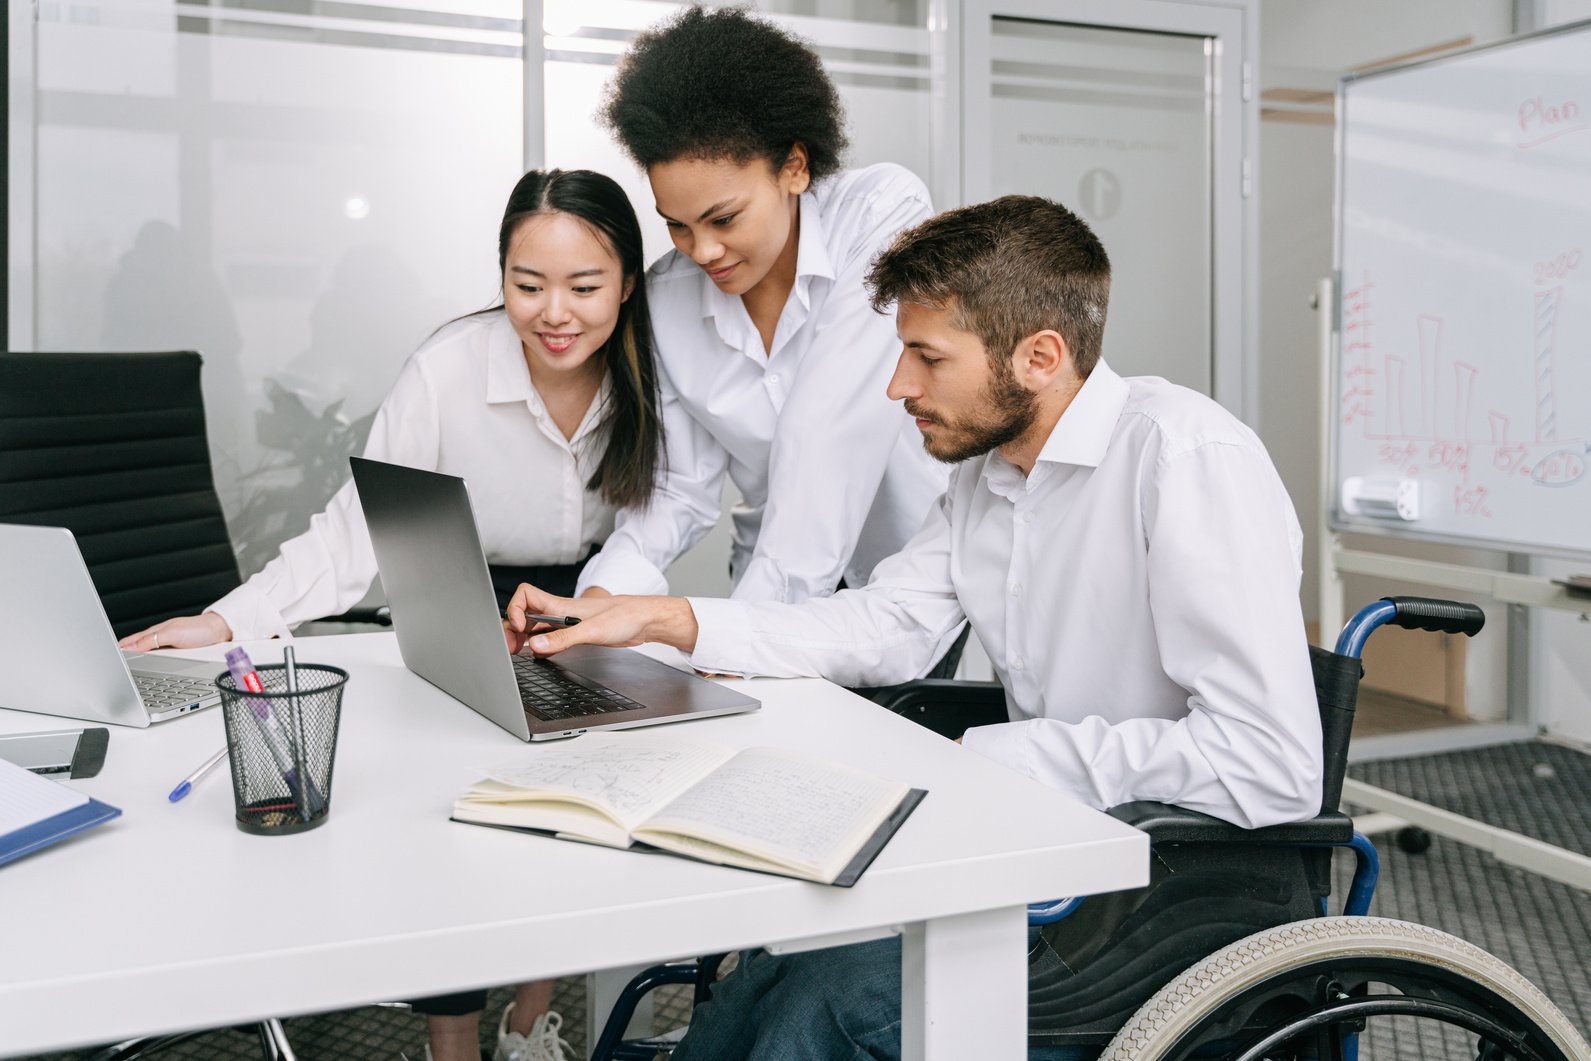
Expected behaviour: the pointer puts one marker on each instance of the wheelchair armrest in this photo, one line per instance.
(1166, 824)
(947, 707)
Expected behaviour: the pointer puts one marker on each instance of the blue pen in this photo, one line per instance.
(245, 677)
(188, 782)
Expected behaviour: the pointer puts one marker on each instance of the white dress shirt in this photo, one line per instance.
(1138, 596)
(831, 473)
(463, 405)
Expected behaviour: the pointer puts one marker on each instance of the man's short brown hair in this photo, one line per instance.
(1005, 270)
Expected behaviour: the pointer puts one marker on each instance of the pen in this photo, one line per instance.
(188, 782)
(245, 677)
(552, 620)
(300, 746)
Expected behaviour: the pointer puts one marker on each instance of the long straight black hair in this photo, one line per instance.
(634, 457)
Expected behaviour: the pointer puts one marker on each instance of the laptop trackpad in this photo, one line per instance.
(645, 680)
(155, 663)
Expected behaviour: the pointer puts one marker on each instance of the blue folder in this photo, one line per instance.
(30, 838)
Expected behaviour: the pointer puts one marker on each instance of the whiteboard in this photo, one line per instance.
(1461, 404)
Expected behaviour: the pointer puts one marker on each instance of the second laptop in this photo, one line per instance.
(439, 588)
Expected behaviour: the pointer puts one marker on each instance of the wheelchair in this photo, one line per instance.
(1264, 973)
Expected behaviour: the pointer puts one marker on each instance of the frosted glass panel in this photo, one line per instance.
(302, 198)
(1116, 126)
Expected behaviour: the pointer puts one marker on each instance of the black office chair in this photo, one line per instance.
(113, 447)
(1242, 911)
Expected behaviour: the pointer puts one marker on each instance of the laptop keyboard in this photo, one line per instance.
(160, 691)
(553, 694)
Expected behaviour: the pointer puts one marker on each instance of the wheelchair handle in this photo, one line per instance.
(1438, 616)
(1411, 613)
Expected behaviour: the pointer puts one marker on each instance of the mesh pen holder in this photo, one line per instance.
(281, 746)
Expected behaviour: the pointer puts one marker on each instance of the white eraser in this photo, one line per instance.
(1381, 498)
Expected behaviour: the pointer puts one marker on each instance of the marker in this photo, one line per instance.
(188, 782)
(245, 677)
(552, 620)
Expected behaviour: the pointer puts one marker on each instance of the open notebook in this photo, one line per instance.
(36, 812)
(763, 809)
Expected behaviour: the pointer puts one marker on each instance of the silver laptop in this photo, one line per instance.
(440, 590)
(58, 655)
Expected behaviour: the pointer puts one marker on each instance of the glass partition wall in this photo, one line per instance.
(300, 197)
(302, 192)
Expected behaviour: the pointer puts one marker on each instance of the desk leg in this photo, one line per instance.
(964, 987)
(602, 990)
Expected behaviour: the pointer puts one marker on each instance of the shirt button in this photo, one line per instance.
(1016, 664)
(774, 378)
(1027, 517)
(1016, 589)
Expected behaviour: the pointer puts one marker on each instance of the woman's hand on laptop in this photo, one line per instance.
(612, 621)
(185, 631)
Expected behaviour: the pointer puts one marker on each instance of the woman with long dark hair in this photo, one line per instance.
(547, 404)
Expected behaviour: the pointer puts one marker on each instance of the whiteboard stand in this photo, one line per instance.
(1515, 587)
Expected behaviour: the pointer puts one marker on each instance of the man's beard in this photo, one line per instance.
(1006, 412)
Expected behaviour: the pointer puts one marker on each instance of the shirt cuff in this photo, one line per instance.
(622, 573)
(723, 636)
(250, 615)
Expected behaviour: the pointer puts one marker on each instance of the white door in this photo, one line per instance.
(1132, 114)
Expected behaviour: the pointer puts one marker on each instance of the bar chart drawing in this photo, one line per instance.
(1543, 336)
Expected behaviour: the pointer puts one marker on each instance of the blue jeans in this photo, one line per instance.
(840, 1004)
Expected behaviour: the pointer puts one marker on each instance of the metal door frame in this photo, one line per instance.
(1233, 28)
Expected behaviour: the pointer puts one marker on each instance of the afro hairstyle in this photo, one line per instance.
(724, 84)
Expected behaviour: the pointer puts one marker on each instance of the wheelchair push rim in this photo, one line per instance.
(1307, 982)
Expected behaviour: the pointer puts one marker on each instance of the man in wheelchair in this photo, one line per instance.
(1127, 554)
(1124, 550)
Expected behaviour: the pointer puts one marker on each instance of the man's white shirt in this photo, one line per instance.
(1137, 594)
(831, 473)
(464, 405)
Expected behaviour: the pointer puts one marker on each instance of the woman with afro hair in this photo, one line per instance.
(773, 366)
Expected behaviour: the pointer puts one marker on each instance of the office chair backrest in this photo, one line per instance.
(1336, 692)
(113, 447)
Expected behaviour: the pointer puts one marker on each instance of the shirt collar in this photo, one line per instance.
(1083, 432)
(507, 375)
(1080, 437)
(508, 380)
(812, 260)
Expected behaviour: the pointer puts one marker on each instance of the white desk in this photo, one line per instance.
(171, 918)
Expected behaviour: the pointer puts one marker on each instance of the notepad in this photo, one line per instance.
(763, 809)
(36, 812)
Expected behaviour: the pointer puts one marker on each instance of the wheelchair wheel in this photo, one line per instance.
(1292, 992)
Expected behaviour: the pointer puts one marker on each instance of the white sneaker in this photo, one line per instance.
(542, 1044)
